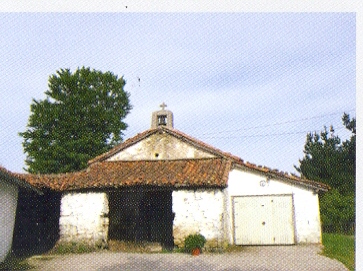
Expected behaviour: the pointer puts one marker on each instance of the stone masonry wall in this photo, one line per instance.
(199, 211)
(159, 147)
(83, 218)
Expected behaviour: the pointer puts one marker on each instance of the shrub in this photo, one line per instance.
(337, 212)
(193, 241)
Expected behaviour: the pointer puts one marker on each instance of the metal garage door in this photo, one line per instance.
(263, 220)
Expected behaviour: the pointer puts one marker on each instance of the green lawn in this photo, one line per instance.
(340, 247)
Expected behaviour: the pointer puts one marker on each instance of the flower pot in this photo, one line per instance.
(196, 251)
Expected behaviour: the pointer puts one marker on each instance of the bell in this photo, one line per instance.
(162, 120)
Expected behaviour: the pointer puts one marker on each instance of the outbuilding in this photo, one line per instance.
(9, 187)
(161, 185)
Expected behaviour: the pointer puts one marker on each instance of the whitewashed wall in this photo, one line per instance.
(305, 201)
(160, 146)
(84, 218)
(307, 217)
(8, 202)
(199, 211)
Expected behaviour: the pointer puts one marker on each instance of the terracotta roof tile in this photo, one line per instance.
(15, 179)
(210, 172)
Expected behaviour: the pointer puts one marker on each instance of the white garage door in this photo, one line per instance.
(263, 220)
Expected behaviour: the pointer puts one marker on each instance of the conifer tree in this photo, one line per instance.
(329, 160)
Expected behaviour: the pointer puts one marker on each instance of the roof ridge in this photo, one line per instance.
(204, 145)
(17, 179)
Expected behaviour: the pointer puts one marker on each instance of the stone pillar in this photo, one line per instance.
(200, 211)
(84, 218)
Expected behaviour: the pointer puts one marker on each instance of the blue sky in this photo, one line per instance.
(253, 84)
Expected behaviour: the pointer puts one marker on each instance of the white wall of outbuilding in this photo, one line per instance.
(306, 211)
(8, 203)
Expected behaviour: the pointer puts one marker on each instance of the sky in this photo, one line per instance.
(252, 84)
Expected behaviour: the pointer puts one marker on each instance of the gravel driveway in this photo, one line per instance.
(266, 258)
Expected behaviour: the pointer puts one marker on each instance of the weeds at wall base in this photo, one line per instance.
(62, 248)
(74, 248)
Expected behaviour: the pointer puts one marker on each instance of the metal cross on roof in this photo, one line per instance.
(163, 105)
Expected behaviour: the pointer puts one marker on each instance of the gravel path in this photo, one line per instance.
(267, 258)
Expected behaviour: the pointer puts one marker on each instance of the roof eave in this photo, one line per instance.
(19, 182)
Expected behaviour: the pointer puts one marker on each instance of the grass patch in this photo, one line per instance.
(340, 247)
(135, 247)
(72, 248)
(234, 248)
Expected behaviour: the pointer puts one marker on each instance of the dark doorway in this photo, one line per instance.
(144, 216)
(36, 228)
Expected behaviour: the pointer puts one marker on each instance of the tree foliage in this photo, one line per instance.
(329, 160)
(81, 117)
(337, 211)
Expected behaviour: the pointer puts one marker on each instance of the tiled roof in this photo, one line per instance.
(13, 178)
(237, 161)
(211, 172)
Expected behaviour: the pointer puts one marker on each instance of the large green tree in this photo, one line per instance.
(81, 117)
(329, 160)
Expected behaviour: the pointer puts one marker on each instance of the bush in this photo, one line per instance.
(193, 241)
(337, 212)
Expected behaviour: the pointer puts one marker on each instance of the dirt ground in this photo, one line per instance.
(266, 258)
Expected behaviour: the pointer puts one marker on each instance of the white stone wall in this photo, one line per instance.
(199, 211)
(305, 202)
(83, 218)
(160, 146)
(307, 217)
(8, 202)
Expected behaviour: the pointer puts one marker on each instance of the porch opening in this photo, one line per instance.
(141, 216)
(36, 228)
